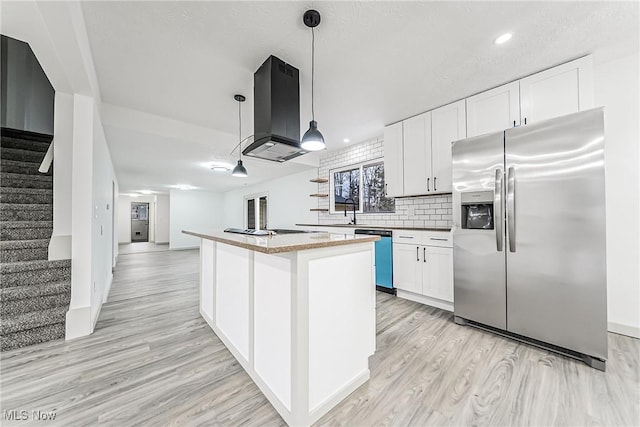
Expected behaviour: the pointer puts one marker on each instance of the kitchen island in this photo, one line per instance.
(297, 311)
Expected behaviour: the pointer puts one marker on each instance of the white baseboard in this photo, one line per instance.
(628, 330)
(433, 302)
(107, 288)
(187, 248)
(78, 322)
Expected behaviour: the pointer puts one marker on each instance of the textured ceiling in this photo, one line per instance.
(376, 62)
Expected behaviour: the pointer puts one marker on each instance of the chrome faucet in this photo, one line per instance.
(353, 203)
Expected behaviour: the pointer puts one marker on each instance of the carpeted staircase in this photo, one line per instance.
(34, 292)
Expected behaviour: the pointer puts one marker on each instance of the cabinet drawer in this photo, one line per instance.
(439, 239)
(408, 236)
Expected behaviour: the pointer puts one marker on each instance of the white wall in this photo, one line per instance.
(124, 216)
(162, 218)
(60, 243)
(194, 211)
(288, 201)
(616, 87)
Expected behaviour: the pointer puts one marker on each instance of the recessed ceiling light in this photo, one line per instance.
(503, 38)
(346, 140)
(183, 187)
(219, 166)
(134, 195)
(146, 191)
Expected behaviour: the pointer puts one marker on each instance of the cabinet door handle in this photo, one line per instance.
(437, 238)
(418, 253)
(525, 120)
(386, 192)
(514, 123)
(424, 254)
(434, 183)
(428, 183)
(406, 237)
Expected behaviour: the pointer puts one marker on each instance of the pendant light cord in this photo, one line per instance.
(313, 56)
(240, 129)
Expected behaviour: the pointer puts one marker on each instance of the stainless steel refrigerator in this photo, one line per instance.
(529, 234)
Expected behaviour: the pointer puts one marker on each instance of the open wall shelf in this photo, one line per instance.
(318, 195)
(319, 180)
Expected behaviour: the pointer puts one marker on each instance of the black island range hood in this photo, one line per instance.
(276, 112)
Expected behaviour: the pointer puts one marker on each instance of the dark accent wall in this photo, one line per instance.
(27, 97)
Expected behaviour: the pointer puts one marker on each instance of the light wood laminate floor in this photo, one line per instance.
(153, 361)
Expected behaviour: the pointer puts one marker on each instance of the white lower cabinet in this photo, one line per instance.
(424, 273)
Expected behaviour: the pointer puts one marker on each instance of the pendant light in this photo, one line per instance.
(312, 140)
(239, 170)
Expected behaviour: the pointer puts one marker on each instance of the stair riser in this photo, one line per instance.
(32, 336)
(28, 181)
(25, 233)
(21, 155)
(17, 255)
(14, 308)
(23, 168)
(26, 198)
(33, 277)
(26, 215)
(23, 144)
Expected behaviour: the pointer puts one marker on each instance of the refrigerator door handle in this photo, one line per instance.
(511, 208)
(497, 205)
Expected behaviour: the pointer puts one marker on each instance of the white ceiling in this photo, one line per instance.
(376, 63)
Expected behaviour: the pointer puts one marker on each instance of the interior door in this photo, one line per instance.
(556, 264)
(417, 154)
(139, 222)
(479, 276)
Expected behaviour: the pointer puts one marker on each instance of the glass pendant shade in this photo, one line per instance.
(239, 170)
(312, 140)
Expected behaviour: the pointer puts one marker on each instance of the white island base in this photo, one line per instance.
(301, 323)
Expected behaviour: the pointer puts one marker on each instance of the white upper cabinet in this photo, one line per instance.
(561, 90)
(417, 154)
(393, 160)
(494, 110)
(448, 124)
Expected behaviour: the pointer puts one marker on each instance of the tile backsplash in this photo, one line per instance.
(423, 211)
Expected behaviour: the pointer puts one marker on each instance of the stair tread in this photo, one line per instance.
(17, 267)
(40, 177)
(27, 206)
(4, 225)
(55, 331)
(34, 319)
(24, 244)
(25, 135)
(22, 190)
(32, 291)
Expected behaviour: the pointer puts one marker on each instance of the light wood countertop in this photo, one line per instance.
(283, 243)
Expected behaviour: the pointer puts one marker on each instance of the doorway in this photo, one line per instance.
(139, 222)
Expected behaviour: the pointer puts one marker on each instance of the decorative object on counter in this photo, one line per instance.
(239, 170)
(312, 140)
